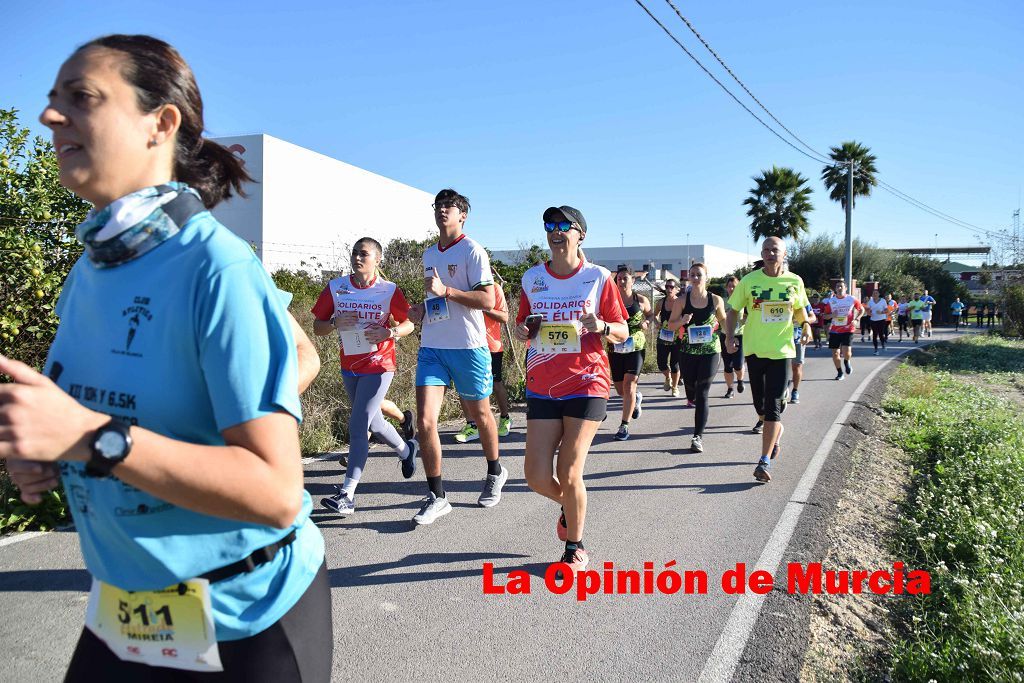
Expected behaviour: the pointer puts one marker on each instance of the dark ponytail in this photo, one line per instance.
(161, 76)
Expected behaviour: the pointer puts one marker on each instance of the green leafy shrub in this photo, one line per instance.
(964, 518)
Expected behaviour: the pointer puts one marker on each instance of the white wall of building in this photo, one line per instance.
(308, 208)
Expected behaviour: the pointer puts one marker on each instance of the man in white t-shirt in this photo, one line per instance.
(453, 348)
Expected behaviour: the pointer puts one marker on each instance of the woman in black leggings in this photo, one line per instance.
(700, 314)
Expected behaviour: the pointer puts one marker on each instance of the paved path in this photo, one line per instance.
(408, 602)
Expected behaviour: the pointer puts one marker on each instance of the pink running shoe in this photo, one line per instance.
(560, 529)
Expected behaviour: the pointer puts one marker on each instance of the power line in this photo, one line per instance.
(722, 86)
(736, 78)
(817, 156)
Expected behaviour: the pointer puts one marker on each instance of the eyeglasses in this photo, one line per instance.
(561, 226)
(439, 206)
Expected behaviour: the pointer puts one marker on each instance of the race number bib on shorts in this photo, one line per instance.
(776, 311)
(435, 310)
(699, 334)
(666, 335)
(355, 343)
(628, 346)
(172, 627)
(558, 338)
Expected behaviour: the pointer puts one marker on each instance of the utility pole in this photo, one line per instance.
(848, 274)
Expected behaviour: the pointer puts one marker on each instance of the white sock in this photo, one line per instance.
(349, 487)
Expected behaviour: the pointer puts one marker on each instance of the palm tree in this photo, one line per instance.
(835, 176)
(779, 204)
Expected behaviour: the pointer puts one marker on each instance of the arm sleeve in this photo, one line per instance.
(323, 309)
(612, 310)
(479, 268)
(399, 306)
(524, 307)
(246, 349)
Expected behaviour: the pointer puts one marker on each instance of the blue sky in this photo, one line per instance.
(527, 104)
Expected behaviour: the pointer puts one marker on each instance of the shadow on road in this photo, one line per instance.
(370, 574)
(42, 580)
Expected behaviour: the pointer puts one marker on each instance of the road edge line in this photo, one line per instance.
(722, 662)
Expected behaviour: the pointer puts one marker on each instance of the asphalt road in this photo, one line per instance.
(409, 602)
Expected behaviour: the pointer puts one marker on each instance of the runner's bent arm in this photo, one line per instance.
(481, 298)
(256, 477)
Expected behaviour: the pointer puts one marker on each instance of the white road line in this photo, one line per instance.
(722, 662)
(18, 538)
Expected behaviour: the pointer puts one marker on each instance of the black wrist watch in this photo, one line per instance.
(607, 329)
(110, 445)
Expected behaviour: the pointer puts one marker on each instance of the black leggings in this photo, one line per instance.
(698, 373)
(768, 379)
(298, 647)
(668, 357)
(879, 332)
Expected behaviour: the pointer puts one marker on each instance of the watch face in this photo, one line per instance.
(111, 444)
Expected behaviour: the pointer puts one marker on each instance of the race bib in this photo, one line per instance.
(435, 310)
(557, 338)
(172, 627)
(355, 343)
(839, 320)
(699, 334)
(776, 312)
(628, 346)
(666, 335)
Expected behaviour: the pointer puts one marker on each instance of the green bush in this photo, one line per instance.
(964, 518)
(1012, 306)
(17, 516)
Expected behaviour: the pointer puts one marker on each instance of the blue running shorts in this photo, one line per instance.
(470, 369)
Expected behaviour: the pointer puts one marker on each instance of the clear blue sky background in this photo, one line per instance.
(527, 104)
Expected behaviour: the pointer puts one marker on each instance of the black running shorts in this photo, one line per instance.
(592, 408)
(837, 339)
(623, 363)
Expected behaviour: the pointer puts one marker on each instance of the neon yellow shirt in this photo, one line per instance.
(917, 309)
(770, 302)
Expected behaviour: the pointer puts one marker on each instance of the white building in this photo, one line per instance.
(659, 260)
(306, 209)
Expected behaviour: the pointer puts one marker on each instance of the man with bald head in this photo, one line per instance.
(775, 300)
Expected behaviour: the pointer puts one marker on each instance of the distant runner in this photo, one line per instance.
(878, 313)
(698, 315)
(843, 312)
(915, 309)
(929, 305)
(732, 361)
(669, 346)
(956, 309)
(627, 357)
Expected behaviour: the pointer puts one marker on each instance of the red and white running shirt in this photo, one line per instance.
(561, 300)
(842, 313)
(375, 304)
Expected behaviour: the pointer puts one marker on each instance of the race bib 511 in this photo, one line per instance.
(171, 627)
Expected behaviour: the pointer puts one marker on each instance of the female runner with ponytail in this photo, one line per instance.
(169, 402)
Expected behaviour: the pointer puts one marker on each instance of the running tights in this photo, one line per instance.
(768, 379)
(698, 373)
(366, 393)
(879, 332)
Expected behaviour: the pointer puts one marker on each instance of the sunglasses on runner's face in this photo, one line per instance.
(561, 226)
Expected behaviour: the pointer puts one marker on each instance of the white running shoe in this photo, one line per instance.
(433, 507)
(491, 494)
